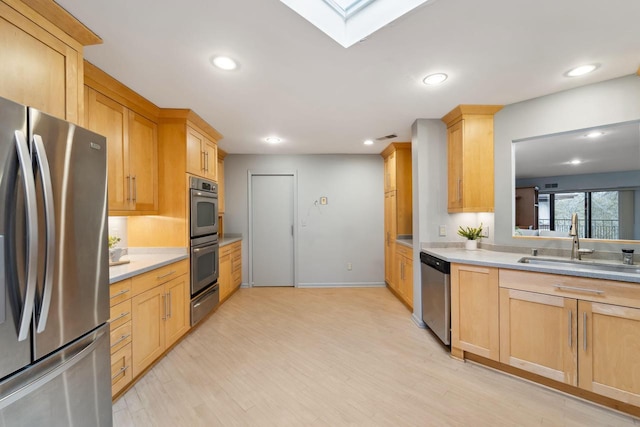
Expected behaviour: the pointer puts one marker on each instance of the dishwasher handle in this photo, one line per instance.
(436, 263)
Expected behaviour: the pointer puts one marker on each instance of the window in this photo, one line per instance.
(598, 212)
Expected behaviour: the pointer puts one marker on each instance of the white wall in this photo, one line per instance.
(612, 101)
(349, 229)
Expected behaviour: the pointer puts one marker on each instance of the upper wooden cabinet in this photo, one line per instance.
(470, 158)
(397, 177)
(132, 154)
(221, 155)
(41, 65)
(202, 154)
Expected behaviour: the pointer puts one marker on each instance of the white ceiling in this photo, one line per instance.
(617, 150)
(297, 83)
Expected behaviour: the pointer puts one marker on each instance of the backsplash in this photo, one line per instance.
(118, 227)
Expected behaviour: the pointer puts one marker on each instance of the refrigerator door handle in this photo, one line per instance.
(47, 189)
(32, 233)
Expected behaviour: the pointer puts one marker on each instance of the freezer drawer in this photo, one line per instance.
(71, 387)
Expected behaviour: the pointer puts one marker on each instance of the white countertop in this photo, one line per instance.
(145, 259)
(510, 260)
(229, 238)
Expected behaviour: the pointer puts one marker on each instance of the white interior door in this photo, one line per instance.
(272, 230)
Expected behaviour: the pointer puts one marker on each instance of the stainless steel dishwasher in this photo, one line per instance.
(436, 295)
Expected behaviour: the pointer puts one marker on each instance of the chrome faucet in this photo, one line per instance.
(576, 252)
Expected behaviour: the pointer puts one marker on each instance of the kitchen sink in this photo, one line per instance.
(581, 265)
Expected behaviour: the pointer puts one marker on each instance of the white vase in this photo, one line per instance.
(471, 245)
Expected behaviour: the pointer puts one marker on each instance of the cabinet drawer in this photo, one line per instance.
(119, 292)
(156, 277)
(120, 314)
(596, 290)
(404, 251)
(120, 336)
(226, 250)
(121, 374)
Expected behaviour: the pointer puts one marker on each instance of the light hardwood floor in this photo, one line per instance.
(333, 357)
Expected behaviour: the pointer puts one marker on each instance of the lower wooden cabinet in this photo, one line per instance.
(580, 331)
(230, 268)
(402, 281)
(474, 310)
(609, 349)
(149, 313)
(538, 334)
(159, 316)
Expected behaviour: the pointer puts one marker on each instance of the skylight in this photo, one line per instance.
(349, 21)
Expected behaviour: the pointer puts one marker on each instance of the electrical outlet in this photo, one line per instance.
(485, 232)
(323, 201)
(442, 230)
(349, 266)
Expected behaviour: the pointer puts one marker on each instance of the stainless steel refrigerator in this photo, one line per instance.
(54, 272)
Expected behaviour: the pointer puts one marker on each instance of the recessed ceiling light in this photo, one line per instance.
(224, 63)
(273, 140)
(575, 162)
(594, 134)
(368, 142)
(434, 79)
(581, 70)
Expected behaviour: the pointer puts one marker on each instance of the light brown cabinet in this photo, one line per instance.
(470, 164)
(230, 269)
(579, 331)
(221, 156)
(121, 335)
(202, 155)
(474, 311)
(397, 216)
(159, 312)
(41, 65)
(132, 154)
(402, 281)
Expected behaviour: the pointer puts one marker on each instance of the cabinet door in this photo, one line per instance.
(454, 163)
(220, 186)
(390, 172)
(195, 152)
(225, 279)
(109, 118)
(608, 349)
(390, 233)
(148, 314)
(407, 283)
(37, 69)
(177, 319)
(210, 159)
(143, 162)
(474, 310)
(397, 272)
(538, 333)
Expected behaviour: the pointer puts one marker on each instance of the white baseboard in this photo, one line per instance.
(343, 285)
(418, 321)
(244, 285)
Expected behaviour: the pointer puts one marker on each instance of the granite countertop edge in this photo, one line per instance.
(509, 260)
(144, 262)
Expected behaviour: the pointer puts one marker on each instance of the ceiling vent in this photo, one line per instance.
(386, 137)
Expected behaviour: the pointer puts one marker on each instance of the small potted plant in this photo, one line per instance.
(114, 253)
(472, 234)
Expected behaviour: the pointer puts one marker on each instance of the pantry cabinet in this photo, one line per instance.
(41, 64)
(130, 125)
(398, 216)
(474, 310)
(470, 185)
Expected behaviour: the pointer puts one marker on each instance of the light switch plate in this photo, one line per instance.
(442, 230)
(485, 232)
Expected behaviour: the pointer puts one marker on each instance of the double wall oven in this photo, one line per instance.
(203, 225)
